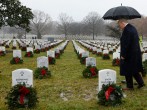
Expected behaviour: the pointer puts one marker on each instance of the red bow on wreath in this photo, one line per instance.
(1, 53)
(16, 60)
(50, 59)
(108, 92)
(43, 72)
(23, 92)
(28, 54)
(117, 61)
(92, 70)
(56, 55)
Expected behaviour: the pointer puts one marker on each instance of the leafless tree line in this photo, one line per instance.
(91, 25)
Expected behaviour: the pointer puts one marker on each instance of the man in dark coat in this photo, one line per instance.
(130, 56)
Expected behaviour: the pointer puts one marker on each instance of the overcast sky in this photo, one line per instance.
(78, 9)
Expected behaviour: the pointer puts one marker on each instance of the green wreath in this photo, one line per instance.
(16, 60)
(51, 60)
(23, 48)
(90, 71)
(110, 95)
(57, 55)
(99, 54)
(37, 51)
(29, 54)
(2, 53)
(116, 62)
(42, 72)
(106, 56)
(144, 73)
(21, 97)
(83, 60)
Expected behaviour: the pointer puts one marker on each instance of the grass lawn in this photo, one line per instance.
(67, 89)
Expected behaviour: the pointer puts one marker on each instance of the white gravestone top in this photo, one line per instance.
(144, 57)
(42, 61)
(116, 55)
(37, 47)
(90, 61)
(57, 50)
(85, 54)
(21, 76)
(106, 76)
(17, 53)
(51, 54)
(2, 48)
(29, 49)
(105, 52)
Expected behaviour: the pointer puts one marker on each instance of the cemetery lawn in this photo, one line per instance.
(67, 89)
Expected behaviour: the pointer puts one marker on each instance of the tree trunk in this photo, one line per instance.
(39, 35)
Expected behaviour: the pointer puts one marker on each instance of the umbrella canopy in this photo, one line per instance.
(121, 12)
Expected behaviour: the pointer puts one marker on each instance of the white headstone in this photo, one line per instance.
(42, 61)
(29, 49)
(57, 50)
(2, 48)
(105, 52)
(144, 57)
(85, 54)
(21, 76)
(106, 76)
(116, 55)
(51, 53)
(99, 50)
(90, 61)
(17, 53)
(37, 47)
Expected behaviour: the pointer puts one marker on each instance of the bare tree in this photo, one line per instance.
(75, 28)
(141, 25)
(64, 24)
(40, 24)
(113, 30)
(93, 23)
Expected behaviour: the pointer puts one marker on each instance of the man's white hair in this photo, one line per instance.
(123, 20)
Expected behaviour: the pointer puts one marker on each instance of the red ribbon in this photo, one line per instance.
(16, 60)
(57, 55)
(80, 55)
(108, 92)
(29, 54)
(23, 92)
(117, 61)
(92, 70)
(43, 72)
(50, 59)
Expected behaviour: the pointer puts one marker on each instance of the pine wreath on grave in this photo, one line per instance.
(21, 96)
(51, 60)
(83, 60)
(2, 53)
(116, 62)
(105, 56)
(29, 54)
(110, 95)
(144, 73)
(37, 51)
(90, 71)
(42, 72)
(16, 60)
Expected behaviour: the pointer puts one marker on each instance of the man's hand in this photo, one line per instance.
(122, 58)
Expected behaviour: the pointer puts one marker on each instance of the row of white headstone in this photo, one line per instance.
(90, 61)
(50, 53)
(20, 76)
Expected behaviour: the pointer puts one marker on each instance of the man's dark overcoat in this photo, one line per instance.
(130, 50)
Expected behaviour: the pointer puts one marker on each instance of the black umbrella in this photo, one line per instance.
(121, 12)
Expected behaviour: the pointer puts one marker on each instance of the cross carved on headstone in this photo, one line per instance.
(21, 73)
